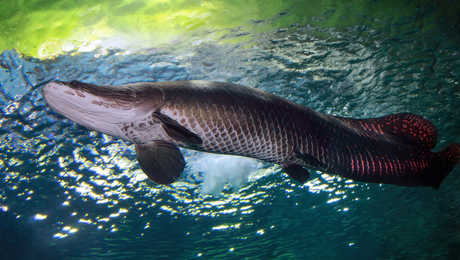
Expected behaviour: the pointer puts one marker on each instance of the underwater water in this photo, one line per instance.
(70, 193)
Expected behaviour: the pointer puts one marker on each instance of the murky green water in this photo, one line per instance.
(69, 193)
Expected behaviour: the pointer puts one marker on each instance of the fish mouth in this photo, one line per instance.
(88, 105)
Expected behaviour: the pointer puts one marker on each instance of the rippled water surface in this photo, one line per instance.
(70, 193)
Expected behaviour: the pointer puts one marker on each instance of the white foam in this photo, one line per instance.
(217, 170)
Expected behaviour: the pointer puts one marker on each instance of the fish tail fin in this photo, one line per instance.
(441, 165)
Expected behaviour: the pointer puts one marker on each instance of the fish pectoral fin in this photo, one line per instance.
(161, 161)
(177, 131)
(297, 172)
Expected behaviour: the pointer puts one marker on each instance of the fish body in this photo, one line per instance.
(233, 119)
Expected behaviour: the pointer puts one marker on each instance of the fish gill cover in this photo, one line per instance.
(67, 192)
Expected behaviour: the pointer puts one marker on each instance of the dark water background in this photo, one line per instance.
(68, 193)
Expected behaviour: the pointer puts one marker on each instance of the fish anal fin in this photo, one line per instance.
(177, 131)
(161, 161)
(297, 172)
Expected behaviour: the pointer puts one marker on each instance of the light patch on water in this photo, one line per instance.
(69, 229)
(169, 209)
(333, 200)
(86, 221)
(113, 228)
(226, 226)
(40, 216)
(217, 171)
(60, 235)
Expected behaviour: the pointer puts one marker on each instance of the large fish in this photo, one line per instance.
(233, 119)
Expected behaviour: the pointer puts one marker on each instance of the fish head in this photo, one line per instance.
(107, 109)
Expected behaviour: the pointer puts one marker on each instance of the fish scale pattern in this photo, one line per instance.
(233, 128)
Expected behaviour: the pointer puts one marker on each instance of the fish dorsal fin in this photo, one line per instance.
(161, 161)
(177, 131)
(406, 128)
